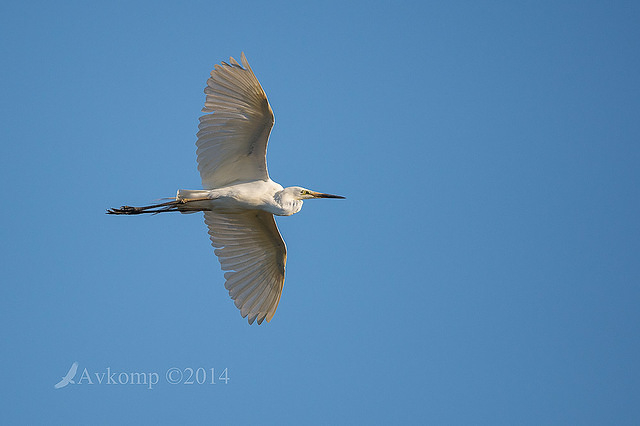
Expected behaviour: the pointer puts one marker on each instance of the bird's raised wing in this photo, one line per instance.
(72, 371)
(232, 141)
(250, 247)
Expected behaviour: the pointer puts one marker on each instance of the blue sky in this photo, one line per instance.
(482, 270)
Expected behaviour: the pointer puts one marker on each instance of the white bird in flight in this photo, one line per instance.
(239, 199)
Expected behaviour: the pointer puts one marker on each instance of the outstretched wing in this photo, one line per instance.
(250, 248)
(72, 371)
(232, 141)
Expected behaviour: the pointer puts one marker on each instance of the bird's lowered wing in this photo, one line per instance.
(251, 249)
(232, 141)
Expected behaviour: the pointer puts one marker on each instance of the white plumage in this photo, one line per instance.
(239, 199)
(232, 142)
(251, 249)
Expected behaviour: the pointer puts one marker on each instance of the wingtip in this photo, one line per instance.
(252, 319)
(244, 61)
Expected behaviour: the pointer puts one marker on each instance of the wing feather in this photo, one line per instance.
(232, 140)
(251, 250)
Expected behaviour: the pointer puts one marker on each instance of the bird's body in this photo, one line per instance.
(239, 199)
(267, 196)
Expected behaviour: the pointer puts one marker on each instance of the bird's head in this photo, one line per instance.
(290, 199)
(300, 193)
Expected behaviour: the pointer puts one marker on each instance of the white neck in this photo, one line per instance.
(287, 203)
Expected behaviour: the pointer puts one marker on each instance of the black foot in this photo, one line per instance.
(126, 210)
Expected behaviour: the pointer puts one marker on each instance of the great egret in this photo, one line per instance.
(239, 199)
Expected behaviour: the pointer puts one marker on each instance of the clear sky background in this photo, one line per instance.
(484, 268)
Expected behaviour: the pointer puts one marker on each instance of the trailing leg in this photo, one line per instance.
(171, 206)
(182, 205)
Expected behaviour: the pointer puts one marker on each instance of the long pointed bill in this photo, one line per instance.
(322, 195)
